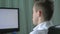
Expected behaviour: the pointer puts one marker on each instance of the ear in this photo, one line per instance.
(40, 12)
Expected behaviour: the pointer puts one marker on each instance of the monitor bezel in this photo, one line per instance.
(11, 29)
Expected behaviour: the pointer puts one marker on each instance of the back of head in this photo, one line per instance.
(48, 8)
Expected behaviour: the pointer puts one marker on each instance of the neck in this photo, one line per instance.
(40, 20)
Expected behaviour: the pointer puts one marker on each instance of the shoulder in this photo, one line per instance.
(39, 32)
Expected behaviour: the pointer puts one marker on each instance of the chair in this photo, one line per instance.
(54, 30)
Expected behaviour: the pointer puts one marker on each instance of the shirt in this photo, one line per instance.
(42, 28)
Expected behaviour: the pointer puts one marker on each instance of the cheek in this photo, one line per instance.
(35, 17)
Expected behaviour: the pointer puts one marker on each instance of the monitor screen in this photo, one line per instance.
(9, 19)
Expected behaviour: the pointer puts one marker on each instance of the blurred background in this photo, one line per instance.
(25, 10)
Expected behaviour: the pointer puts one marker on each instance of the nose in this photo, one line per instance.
(32, 16)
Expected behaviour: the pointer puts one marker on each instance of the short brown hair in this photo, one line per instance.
(48, 8)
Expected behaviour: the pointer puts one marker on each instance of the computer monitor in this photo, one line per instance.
(9, 19)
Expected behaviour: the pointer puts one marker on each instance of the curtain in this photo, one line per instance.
(56, 16)
(25, 13)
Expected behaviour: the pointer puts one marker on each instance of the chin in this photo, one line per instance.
(34, 23)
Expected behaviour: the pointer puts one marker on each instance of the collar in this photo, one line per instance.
(43, 25)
